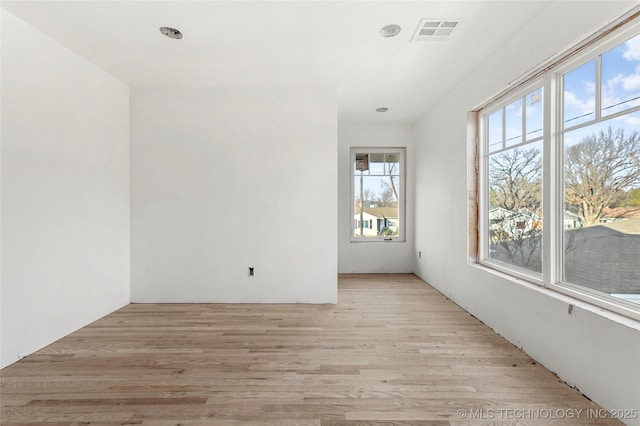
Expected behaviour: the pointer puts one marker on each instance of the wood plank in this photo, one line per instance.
(393, 351)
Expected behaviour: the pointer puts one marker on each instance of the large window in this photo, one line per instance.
(571, 138)
(377, 176)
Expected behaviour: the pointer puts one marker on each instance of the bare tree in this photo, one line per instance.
(521, 249)
(598, 171)
(387, 198)
(515, 194)
(389, 190)
(515, 178)
(368, 196)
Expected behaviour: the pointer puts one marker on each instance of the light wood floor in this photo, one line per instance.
(393, 351)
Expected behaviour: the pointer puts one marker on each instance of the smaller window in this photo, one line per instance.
(377, 200)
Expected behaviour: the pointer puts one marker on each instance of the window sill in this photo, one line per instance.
(561, 293)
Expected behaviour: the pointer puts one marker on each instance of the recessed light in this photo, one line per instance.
(382, 109)
(171, 32)
(390, 30)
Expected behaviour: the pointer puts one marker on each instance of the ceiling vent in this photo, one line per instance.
(435, 29)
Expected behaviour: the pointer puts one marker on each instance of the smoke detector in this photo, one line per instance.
(435, 29)
(171, 32)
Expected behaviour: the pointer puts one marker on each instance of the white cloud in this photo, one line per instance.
(619, 90)
(512, 132)
(629, 122)
(515, 110)
(582, 105)
(632, 49)
(533, 109)
(632, 121)
(590, 87)
(632, 82)
(614, 81)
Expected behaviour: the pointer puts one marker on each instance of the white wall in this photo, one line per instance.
(598, 354)
(65, 191)
(224, 179)
(373, 257)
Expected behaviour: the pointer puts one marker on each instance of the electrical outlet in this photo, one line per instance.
(251, 271)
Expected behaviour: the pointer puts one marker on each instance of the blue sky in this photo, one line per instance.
(513, 117)
(619, 89)
(377, 174)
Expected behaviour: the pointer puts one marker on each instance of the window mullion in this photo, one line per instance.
(524, 120)
(483, 182)
(504, 128)
(598, 88)
(552, 181)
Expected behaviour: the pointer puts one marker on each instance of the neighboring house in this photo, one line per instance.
(375, 220)
(619, 213)
(370, 204)
(512, 224)
(572, 221)
(609, 215)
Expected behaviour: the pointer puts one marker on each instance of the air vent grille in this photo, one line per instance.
(435, 29)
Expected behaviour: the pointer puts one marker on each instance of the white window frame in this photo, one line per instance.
(550, 77)
(483, 192)
(401, 152)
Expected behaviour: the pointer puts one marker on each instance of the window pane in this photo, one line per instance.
(376, 164)
(621, 77)
(377, 195)
(515, 207)
(534, 114)
(392, 166)
(602, 207)
(495, 131)
(513, 123)
(579, 101)
(378, 211)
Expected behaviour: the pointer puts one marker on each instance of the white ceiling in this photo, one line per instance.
(323, 43)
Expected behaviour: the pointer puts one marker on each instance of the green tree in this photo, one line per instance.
(632, 198)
